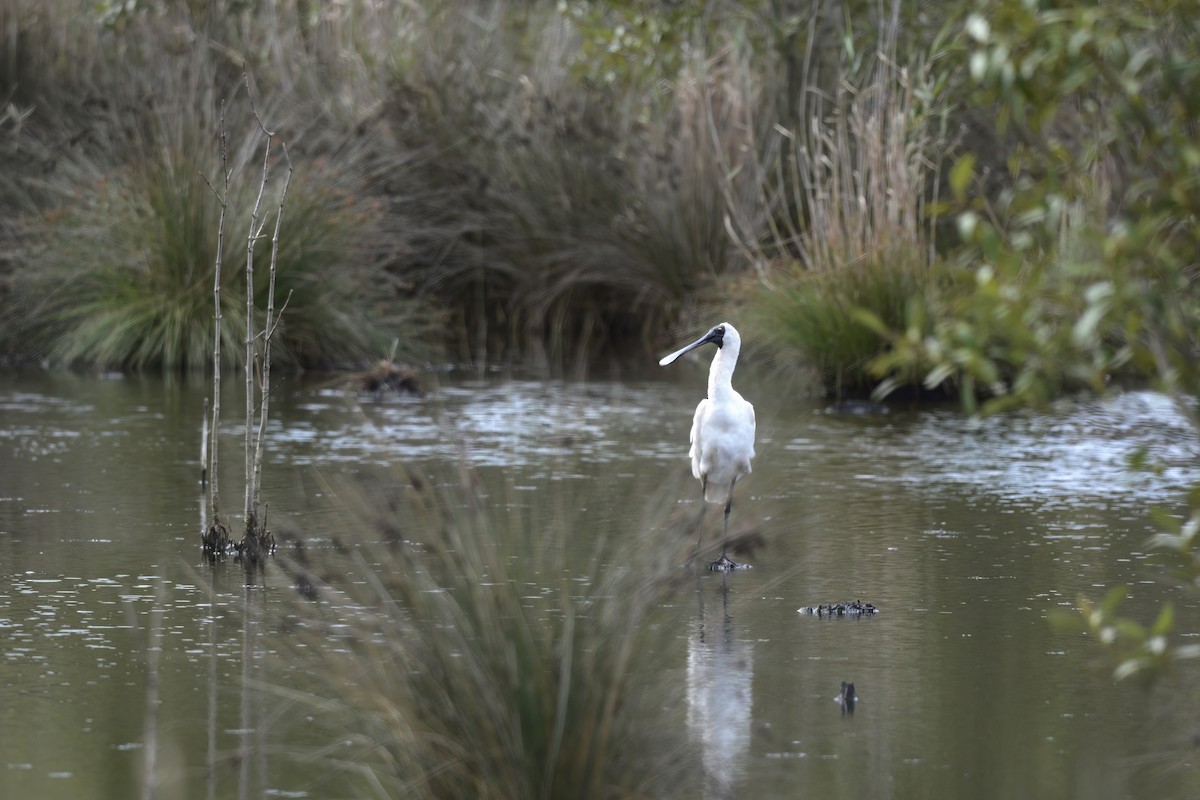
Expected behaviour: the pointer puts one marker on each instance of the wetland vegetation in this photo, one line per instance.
(994, 202)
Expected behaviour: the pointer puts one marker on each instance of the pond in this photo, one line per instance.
(120, 644)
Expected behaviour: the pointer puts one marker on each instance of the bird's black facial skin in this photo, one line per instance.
(717, 336)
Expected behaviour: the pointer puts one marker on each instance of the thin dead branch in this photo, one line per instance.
(258, 540)
(215, 538)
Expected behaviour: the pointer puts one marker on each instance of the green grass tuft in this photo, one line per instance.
(831, 319)
(123, 273)
(480, 661)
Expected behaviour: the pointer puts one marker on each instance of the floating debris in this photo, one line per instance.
(855, 608)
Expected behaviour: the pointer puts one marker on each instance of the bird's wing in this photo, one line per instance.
(753, 428)
(694, 453)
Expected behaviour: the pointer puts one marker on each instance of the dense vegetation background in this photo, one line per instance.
(993, 199)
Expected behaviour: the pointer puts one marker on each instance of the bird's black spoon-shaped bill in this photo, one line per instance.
(711, 336)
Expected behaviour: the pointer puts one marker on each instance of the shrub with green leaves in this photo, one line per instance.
(1085, 265)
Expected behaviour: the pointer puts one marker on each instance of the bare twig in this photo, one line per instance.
(257, 539)
(252, 237)
(268, 330)
(213, 538)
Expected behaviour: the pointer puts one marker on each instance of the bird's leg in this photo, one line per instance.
(700, 518)
(724, 562)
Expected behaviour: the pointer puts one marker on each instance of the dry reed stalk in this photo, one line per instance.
(257, 539)
(269, 325)
(252, 237)
(861, 175)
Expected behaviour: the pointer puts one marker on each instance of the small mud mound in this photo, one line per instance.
(855, 608)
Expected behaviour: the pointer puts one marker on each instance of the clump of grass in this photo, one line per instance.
(122, 276)
(480, 662)
(835, 319)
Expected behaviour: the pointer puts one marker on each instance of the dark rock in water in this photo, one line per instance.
(847, 697)
(855, 608)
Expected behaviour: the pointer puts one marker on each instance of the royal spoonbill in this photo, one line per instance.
(722, 430)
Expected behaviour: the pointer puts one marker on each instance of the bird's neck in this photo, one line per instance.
(720, 375)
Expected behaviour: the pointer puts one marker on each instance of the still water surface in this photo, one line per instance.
(965, 534)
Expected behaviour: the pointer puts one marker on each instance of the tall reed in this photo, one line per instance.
(852, 249)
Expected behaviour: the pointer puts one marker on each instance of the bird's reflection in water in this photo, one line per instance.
(720, 672)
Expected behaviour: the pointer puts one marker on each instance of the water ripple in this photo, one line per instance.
(1079, 450)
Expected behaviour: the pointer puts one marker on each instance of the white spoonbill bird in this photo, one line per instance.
(722, 430)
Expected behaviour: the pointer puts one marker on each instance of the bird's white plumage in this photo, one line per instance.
(723, 428)
(722, 445)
